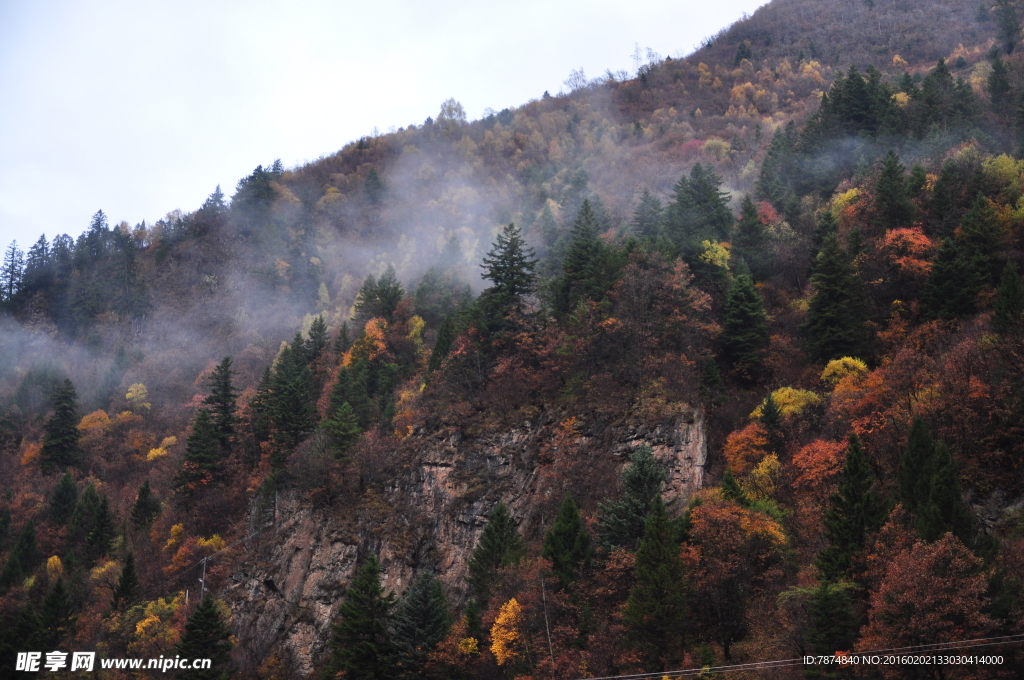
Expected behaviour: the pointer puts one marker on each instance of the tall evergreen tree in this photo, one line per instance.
(891, 200)
(774, 425)
(1008, 24)
(126, 594)
(316, 340)
(206, 636)
(343, 428)
(983, 239)
(84, 517)
(587, 270)
(379, 298)
(63, 499)
(58, 614)
(731, 489)
(744, 338)
(60, 431)
(837, 311)
(202, 462)
(223, 402)
(998, 85)
(291, 407)
(917, 467)
(699, 212)
(1008, 310)
(500, 545)
(945, 510)
(621, 523)
(827, 226)
(421, 621)
(443, 343)
(853, 512)
(509, 266)
(147, 506)
(23, 558)
(953, 284)
(361, 646)
(749, 238)
(567, 544)
(656, 608)
(833, 623)
(647, 216)
(103, 532)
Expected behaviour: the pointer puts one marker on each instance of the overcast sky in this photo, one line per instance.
(139, 108)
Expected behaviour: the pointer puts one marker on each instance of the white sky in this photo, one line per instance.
(141, 107)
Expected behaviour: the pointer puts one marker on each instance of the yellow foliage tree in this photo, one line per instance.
(505, 635)
(791, 401)
(137, 395)
(54, 568)
(837, 369)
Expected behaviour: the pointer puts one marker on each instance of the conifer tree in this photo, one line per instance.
(201, 464)
(983, 238)
(421, 621)
(1008, 24)
(699, 212)
(945, 510)
(749, 239)
(259, 407)
(1008, 310)
(953, 284)
(621, 523)
(771, 419)
(647, 216)
(60, 431)
(833, 624)
(223, 402)
(853, 512)
(23, 558)
(509, 266)
(731, 489)
(587, 271)
(837, 311)
(84, 517)
(567, 544)
(291, 408)
(126, 594)
(361, 647)
(104, 530)
(891, 200)
(147, 506)
(63, 499)
(344, 339)
(443, 343)
(998, 85)
(744, 336)
(58, 614)
(827, 226)
(316, 340)
(378, 298)
(206, 636)
(500, 545)
(343, 428)
(655, 611)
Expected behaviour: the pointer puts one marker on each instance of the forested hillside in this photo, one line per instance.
(715, 363)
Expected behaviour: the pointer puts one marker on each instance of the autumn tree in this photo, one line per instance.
(206, 636)
(744, 336)
(656, 607)
(930, 593)
(837, 311)
(223, 402)
(60, 431)
(361, 646)
(500, 545)
(853, 512)
(621, 523)
(567, 544)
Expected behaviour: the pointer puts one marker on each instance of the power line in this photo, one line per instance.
(784, 663)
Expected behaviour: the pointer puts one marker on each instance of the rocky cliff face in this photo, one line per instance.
(287, 585)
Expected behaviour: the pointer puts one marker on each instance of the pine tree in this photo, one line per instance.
(84, 517)
(699, 212)
(983, 239)
(655, 611)
(998, 85)
(23, 558)
(1008, 24)
(421, 621)
(916, 467)
(953, 284)
(731, 489)
(945, 510)
(1008, 310)
(891, 200)
(11, 272)
(206, 636)
(500, 545)
(749, 239)
(316, 340)
(361, 647)
(833, 624)
(827, 226)
(58, 615)
(379, 298)
(744, 338)
(126, 594)
(837, 311)
(585, 274)
(63, 499)
(621, 523)
(567, 544)
(291, 407)
(104, 530)
(223, 402)
(201, 465)
(343, 428)
(647, 216)
(774, 425)
(443, 343)
(509, 266)
(147, 506)
(854, 511)
(60, 431)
